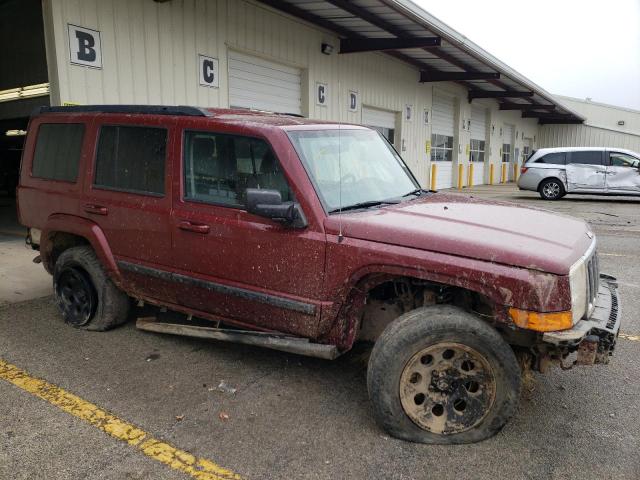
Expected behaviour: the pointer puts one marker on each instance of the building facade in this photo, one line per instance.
(605, 126)
(457, 115)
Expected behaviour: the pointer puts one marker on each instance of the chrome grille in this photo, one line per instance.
(593, 281)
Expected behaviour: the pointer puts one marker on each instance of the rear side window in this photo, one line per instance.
(131, 159)
(557, 158)
(57, 153)
(592, 157)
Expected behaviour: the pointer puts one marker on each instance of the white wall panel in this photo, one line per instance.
(585, 136)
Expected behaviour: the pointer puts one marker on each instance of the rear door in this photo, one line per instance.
(128, 195)
(233, 264)
(586, 170)
(622, 173)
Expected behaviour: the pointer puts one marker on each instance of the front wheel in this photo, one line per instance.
(441, 375)
(551, 189)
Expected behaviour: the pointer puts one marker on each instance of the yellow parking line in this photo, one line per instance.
(198, 468)
(633, 338)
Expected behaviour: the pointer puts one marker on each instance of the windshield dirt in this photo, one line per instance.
(351, 167)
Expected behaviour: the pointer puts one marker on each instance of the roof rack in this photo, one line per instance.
(141, 109)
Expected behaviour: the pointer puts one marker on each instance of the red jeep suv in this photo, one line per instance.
(306, 237)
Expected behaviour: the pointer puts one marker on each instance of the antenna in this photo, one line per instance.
(340, 237)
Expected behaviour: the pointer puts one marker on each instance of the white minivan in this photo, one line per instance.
(554, 172)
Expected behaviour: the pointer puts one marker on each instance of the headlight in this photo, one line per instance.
(578, 284)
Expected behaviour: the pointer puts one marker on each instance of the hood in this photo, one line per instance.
(464, 226)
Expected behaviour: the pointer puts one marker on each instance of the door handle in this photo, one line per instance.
(96, 209)
(193, 227)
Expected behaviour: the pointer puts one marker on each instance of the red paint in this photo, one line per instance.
(513, 255)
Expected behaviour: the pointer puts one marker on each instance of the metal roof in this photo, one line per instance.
(405, 31)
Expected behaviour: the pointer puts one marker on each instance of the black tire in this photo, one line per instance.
(85, 295)
(426, 328)
(551, 189)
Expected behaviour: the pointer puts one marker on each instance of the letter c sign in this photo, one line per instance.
(85, 47)
(322, 94)
(208, 72)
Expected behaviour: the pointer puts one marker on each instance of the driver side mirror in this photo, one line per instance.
(269, 204)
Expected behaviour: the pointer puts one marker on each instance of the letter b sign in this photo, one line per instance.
(85, 47)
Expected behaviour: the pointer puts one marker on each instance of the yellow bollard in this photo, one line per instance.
(434, 171)
(470, 176)
(491, 174)
(460, 173)
(515, 172)
(503, 173)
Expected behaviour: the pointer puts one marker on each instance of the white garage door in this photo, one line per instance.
(478, 143)
(442, 129)
(382, 120)
(264, 85)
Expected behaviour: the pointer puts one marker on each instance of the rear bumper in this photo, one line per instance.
(601, 328)
(529, 180)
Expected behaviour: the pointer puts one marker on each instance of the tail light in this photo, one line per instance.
(523, 170)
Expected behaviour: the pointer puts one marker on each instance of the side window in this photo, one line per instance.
(57, 152)
(623, 160)
(218, 168)
(506, 152)
(131, 159)
(557, 158)
(587, 157)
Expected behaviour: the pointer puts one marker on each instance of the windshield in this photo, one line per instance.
(369, 168)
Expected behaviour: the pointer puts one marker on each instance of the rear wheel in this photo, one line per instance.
(441, 375)
(551, 189)
(85, 295)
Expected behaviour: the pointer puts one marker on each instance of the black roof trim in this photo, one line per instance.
(139, 109)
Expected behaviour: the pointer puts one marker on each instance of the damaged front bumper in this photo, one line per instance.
(593, 338)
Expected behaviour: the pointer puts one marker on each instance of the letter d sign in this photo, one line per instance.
(85, 47)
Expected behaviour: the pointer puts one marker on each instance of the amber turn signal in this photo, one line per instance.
(541, 322)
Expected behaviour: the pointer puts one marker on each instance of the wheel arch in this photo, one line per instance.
(347, 313)
(64, 231)
(560, 176)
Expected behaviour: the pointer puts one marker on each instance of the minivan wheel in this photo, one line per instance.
(551, 189)
(85, 295)
(441, 375)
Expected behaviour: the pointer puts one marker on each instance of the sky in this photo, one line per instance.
(577, 48)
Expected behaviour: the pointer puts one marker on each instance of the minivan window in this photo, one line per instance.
(556, 158)
(57, 153)
(588, 157)
(623, 160)
(131, 158)
(218, 168)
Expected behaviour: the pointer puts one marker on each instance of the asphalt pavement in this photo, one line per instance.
(269, 415)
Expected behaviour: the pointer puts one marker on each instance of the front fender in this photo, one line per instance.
(505, 286)
(81, 227)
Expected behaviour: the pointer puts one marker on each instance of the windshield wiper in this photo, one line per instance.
(371, 203)
(417, 192)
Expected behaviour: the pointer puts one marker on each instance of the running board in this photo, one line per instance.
(284, 343)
